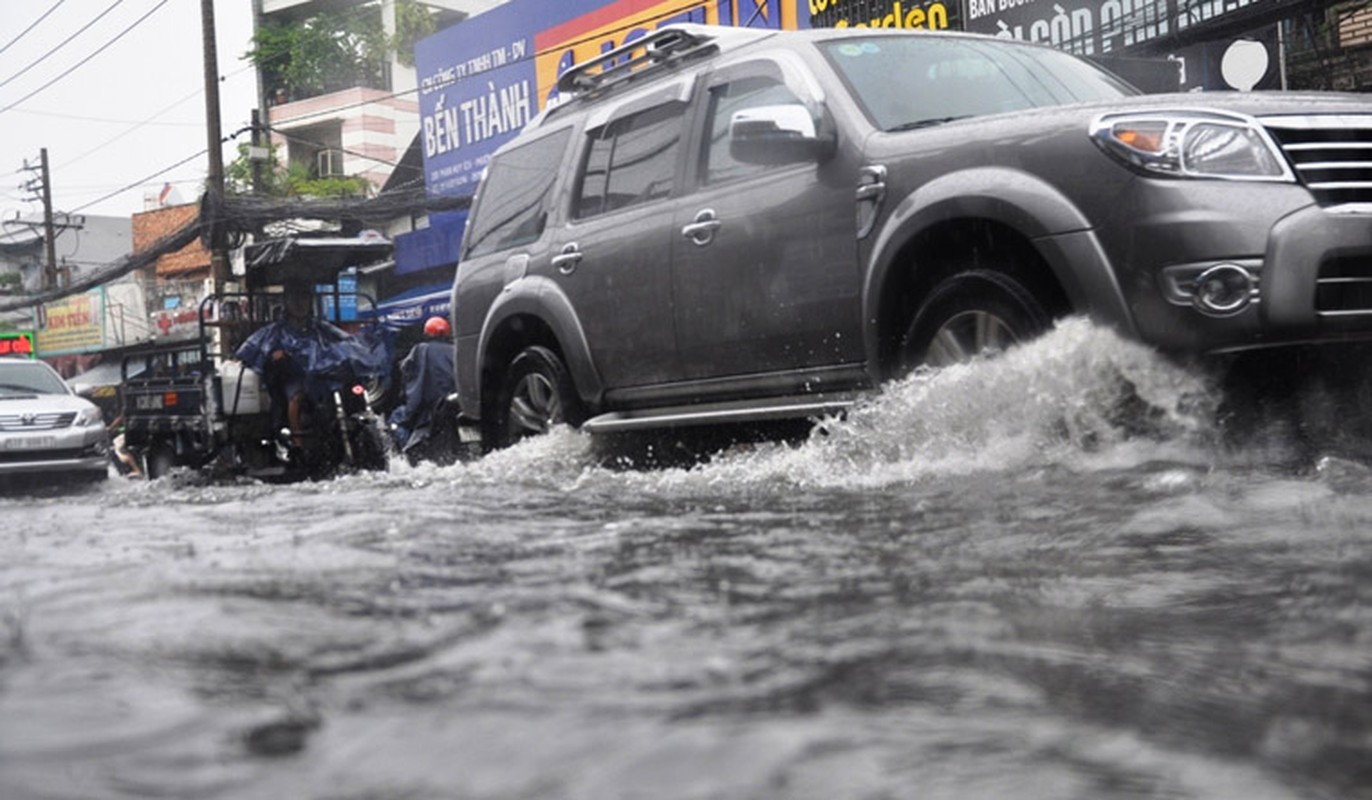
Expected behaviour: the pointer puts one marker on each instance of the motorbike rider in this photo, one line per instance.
(427, 377)
(285, 351)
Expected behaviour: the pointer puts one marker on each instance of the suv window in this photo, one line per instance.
(515, 194)
(948, 78)
(631, 160)
(725, 100)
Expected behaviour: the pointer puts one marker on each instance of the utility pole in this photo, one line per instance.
(219, 261)
(257, 154)
(49, 235)
(42, 188)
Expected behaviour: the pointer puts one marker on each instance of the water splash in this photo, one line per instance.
(1080, 395)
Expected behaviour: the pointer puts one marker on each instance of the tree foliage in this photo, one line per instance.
(324, 53)
(413, 21)
(294, 180)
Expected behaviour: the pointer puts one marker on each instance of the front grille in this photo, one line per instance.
(36, 422)
(1332, 155)
(1344, 286)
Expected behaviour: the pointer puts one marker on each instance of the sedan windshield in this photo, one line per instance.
(906, 82)
(27, 378)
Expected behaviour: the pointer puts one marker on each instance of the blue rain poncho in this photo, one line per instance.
(322, 357)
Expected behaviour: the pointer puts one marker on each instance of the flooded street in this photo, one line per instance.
(1045, 576)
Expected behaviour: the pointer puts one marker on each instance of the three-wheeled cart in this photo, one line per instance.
(194, 405)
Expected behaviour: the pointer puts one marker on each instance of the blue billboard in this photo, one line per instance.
(482, 80)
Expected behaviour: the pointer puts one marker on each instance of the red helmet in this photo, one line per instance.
(436, 327)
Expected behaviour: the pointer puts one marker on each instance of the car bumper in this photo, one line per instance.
(1311, 271)
(83, 454)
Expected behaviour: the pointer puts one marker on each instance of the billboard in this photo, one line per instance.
(74, 324)
(482, 80)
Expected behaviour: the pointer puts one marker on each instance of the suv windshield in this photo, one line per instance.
(21, 378)
(906, 82)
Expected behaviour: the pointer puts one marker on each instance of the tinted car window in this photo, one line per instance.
(631, 160)
(905, 82)
(515, 195)
(725, 101)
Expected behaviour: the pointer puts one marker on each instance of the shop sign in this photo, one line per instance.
(74, 324)
(909, 14)
(1094, 27)
(17, 343)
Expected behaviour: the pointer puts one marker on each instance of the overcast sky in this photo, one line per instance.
(115, 125)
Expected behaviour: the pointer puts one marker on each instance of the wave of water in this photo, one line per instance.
(1080, 395)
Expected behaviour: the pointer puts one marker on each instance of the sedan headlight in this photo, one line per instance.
(89, 416)
(1192, 144)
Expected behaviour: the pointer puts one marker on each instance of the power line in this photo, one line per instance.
(130, 130)
(109, 121)
(136, 184)
(83, 61)
(32, 25)
(322, 146)
(62, 43)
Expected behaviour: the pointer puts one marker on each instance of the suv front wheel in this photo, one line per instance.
(536, 394)
(972, 313)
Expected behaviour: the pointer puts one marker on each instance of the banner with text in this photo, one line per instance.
(482, 80)
(74, 324)
(1095, 27)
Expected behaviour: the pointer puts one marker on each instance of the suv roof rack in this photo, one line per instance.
(664, 45)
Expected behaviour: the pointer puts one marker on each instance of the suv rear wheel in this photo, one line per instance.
(969, 314)
(537, 394)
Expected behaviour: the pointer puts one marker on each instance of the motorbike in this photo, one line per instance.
(340, 432)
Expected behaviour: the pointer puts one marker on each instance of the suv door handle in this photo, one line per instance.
(702, 231)
(567, 261)
(871, 191)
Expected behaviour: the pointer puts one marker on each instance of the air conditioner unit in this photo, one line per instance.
(329, 163)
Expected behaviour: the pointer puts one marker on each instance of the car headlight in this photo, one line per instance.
(89, 416)
(1192, 144)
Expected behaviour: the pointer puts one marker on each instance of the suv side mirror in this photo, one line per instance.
(782, 134)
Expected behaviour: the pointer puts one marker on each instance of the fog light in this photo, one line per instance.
(1224, 290)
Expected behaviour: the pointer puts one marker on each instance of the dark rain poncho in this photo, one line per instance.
(427, 375)
(322, 357)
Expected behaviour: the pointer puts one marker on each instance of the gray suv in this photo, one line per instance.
(725, 225)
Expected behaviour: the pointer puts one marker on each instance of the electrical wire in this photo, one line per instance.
(135, 126)
(293, 138)
(83, 61)
(52, 51)
(107, 120)
(32, 25)
(136, 184)
(128, 131)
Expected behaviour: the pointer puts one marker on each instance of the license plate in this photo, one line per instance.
(28, 442)
(148, 402)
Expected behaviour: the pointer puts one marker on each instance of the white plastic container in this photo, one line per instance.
(242, 390)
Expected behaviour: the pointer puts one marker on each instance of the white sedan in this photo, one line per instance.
(46, 428)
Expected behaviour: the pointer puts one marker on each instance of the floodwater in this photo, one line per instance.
(1011, 579)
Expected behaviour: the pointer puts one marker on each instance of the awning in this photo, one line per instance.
(414, 306)
(102, 376)
(276, 261)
